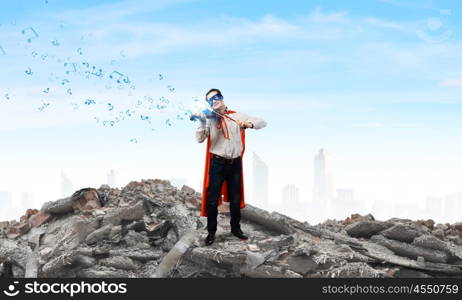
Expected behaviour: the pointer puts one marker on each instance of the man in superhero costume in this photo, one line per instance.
(223, 176)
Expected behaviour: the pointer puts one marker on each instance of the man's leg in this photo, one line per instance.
(213, 192)
(234, 179)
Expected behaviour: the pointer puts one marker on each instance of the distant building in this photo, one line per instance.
(453, 207)
(260, 182)
(111, 178)
(290, 194)
(323, 188)
(434, 208)
(7, 211)
(26, 201)
(66, 186)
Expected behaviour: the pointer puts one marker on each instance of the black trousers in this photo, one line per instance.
(220, 171)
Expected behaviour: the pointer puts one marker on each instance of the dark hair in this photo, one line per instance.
(212, 90)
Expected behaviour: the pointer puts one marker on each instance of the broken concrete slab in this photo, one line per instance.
(365, 229)
(411, 251)
(402, 232)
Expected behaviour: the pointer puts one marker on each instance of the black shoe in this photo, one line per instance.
(210, 239)
(240, 234)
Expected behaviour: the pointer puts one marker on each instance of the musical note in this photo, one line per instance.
(144, 118)
(32, 32)
(29, 71)
(7, 96)
(163, 100)
(72, 68)
(44, 56)
(98, 73)
(128, 113)
(170, 88)
(2, 51)
(55, 42)
(46, 91)
(121, 77)
(111, 123)
(86, 64)
(79, 51)
(69, 91)
(45, 105)
(168, 123)
(133, 140)
(34, 54)
(90, 101)
(110, 106)
(64, 81)
(161, 77)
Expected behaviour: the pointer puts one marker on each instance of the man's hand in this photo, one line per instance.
(198, 116)
(243, 124)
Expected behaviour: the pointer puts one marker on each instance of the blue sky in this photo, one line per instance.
(377, 83)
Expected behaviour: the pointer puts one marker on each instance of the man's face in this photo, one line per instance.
(218, 105)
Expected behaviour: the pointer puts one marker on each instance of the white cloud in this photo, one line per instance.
(451, 83)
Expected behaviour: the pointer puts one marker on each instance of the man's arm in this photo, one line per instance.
(202, 131)
(252, 122)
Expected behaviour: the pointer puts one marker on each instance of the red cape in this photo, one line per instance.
(224, 188)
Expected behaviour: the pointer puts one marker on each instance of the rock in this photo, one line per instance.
(365, 229)
(357, 218)
(99, 234)
(301, 264)
(17, 230)
(402, 232)
(457, 226)
(61, 206)
(129, 213)
(120, 262)
(39, 218)
(411, 251)
(430, 224)
(431, 242)
(85, 200)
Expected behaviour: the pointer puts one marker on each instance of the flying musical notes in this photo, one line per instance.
(110, 106)
(168, 123)
(133, 140)
(161, 77)
(79, 51)
(64, 81)
(7, 96)
(30, 32)
(90, 101)
(71, 67)
(98, 73)
(46, 91)
(45, 105)
(170, 88)
(55, 42)
(29, 71)
(69, 91)
(144, 118)
(120, 77)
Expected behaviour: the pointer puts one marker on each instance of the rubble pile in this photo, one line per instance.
(152, 229)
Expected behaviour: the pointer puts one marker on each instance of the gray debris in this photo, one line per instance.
(151, 229)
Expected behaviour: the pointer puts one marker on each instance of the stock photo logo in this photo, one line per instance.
(435, 29)
(11, 290)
